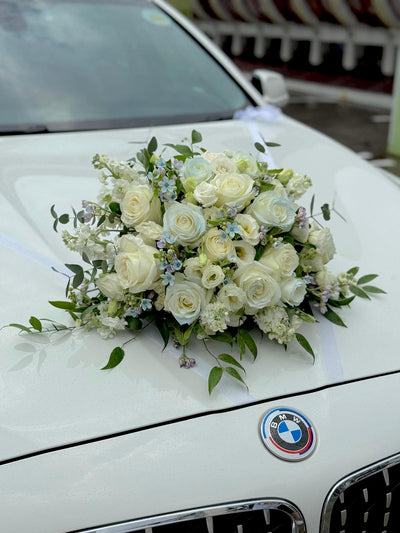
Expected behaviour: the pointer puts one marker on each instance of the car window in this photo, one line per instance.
(90, 64)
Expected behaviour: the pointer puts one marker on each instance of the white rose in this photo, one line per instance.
(222, 165)
(245, 163)
(185, 300)
(232, 297)
(193, 268)
(215, 247)
(149, 230)
(283, 260)
(205, 194)
(244, 251)
(139, 205)
(248, 229)
(196, 168)
(213, 276)
(293, 291)
(185, 222)
(233, 189)
(135, 264)
(111, 287)
(273, 210)
(322, 239)
(259, 286)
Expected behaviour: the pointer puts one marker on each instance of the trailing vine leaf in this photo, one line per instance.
(116, 357)
(21, 327)
(35, 323)
(226, 358)
(196, 137)
(214, 378)
(305, 344)
(248, 339)
(334, 318)
(163, 328)
(235, 374)
(152, 146)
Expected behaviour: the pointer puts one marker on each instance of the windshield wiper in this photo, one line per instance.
(26, 130)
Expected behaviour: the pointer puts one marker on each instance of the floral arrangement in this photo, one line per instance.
(207, 244)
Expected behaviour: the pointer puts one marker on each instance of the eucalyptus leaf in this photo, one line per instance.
(312, 204)
(116, 357)
(64, 219)
(196, 137)
(214, 378)
(78, 279)
(272, 145)
(259, 147)
(53, 212)
(326, 212)
(76, 269)
(152, 146)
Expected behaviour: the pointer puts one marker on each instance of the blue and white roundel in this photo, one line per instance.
(288, 434)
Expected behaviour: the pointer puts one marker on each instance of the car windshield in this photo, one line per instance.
(89, 64)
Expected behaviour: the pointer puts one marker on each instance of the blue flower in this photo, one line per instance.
(166, 185)
(177, 264)
(232, 228)
(168, 237)
(223, 236)
(146, 304)
(168, 279)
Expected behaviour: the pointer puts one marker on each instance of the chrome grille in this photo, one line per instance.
(367, 501)
(256, 516)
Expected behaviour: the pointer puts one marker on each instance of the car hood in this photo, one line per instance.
(52, 391)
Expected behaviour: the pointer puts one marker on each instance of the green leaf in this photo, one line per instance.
(341, 303)
(353, 271)
(116, 357)
(235, 374)
(259, 252)
(35, 323)
(334, 318)
(53, 212)
(226, 358)
(163, 328)
(223, 337)
(373, 289)
(312, 204)
(272, 145)
(78, 278)
(101, 220)
(305, 316)
(64, 219)
(55, 224)
(359, 292)
(181, 149)
(134, 323)
(21, 327)
(326, 212)
(366, 279)
(76, 269)
(214, 378)
(241, 344)
(259, 147)
(115, 208)
(63, 305)
(305, 344)
(196, 137)
(152, 146)
(85, 258)
(248, 339)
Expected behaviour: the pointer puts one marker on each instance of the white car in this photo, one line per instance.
(144, 447)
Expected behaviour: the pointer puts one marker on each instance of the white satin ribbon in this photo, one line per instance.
(30, 253)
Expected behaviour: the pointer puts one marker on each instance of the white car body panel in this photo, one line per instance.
(80, 447)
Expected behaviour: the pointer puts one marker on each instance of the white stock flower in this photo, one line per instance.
(214, 318)
(185, 300)
(248, 228)
(212, 276)
(245, 252)
(293, 291)
(322, 239)
(135, 264)
(233, 189)
(197, 168)
(210, 156)
(273, 210)
(149, 230)
(298, 184)
(259, 286)
(325, 279)
(283, 260)
(232, 297)
(223, 164)
(245, 163)
(215, 247)
(139, 205)
(205, 193)
(185, 222)
(110, 286)
(276, 323)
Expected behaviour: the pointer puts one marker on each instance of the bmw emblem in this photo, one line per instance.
(288, 434)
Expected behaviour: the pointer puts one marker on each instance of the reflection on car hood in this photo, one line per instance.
(52, 391)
